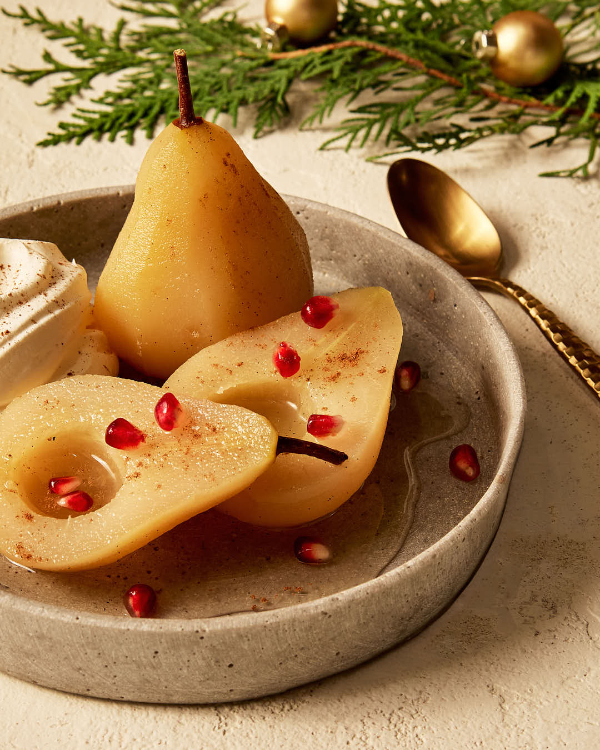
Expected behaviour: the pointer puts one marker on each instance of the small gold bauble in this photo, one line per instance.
(524, 48)
(306, 21)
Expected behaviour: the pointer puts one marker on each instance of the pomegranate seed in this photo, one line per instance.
(407, 376)
(140, 600)
(286, 360)
(464, 463)
(123, 435)
(323, 425)
(318, 311)
(77, 501)
(169, 413)
(311, 551)
(63, 485)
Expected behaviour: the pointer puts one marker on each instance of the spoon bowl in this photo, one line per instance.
(436, 213)
(439, 215)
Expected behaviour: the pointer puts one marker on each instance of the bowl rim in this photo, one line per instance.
(516, 401)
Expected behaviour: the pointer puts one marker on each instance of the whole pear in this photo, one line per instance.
(208, 249)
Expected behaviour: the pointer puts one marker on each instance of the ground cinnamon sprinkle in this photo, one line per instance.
(349, 359)
(22, 552)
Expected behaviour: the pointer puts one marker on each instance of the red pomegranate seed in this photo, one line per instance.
(407, 376)
(318, 311)
(286, 360)
(123, 435)
(140, 600)
(311, 551)
(63, 485)
(323, 425)
(169, 413)
(77, 501)
(464, 463)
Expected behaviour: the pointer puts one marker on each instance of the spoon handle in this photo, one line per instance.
(578, 354)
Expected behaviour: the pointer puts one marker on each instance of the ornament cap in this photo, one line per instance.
(273, 36)
(485, 45)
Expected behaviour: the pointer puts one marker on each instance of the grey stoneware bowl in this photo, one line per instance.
(432, 534)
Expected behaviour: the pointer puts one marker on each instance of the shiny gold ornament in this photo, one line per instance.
(305, 21)
(524, 48)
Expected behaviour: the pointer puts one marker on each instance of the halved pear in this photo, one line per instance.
(346, 370)
(58, 430)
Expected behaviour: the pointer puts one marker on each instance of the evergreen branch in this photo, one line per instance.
(411, 57)
(592, 89)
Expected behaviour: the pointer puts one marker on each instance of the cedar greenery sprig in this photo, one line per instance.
(411, 57)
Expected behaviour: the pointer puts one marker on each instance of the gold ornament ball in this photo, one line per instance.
(306, 21)
(530, 48)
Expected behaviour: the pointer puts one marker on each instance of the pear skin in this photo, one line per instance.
(208, 249)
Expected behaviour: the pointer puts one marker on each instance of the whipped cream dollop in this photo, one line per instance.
(44, 317)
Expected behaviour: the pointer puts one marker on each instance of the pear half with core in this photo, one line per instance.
(208, 249)
(58, 430)
(346, 371)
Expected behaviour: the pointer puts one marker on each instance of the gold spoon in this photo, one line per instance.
(438, 214)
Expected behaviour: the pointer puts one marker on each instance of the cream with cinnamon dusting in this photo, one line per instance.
(44, 313)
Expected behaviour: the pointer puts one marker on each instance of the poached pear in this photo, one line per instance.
(58, 431)
(94, 467)
(340, 374)
(208, 249)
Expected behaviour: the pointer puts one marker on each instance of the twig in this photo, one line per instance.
(307, 448)
(397, 55)
(187, 117)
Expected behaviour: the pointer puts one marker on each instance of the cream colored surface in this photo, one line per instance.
(513, 663)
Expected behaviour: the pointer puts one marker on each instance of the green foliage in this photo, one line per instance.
(406, 110)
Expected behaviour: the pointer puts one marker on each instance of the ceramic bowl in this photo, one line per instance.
(47, 637)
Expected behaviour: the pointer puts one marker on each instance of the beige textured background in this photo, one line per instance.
(514, 663)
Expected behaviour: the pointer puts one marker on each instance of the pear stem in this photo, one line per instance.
(306, 448)
(187, 116)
